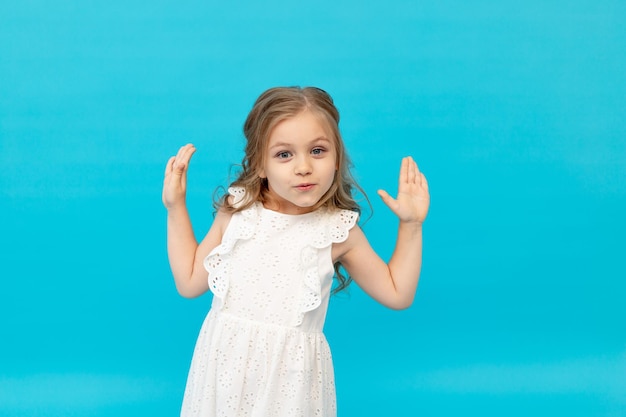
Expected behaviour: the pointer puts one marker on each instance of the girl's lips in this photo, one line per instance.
(304, 187)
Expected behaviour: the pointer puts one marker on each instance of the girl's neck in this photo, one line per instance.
(297, 211)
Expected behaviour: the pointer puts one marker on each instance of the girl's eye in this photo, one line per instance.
(317, 151)
(283, 155)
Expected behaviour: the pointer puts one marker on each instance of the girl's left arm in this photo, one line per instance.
(393, 284)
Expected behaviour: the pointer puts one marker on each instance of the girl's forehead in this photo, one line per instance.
(306, 122)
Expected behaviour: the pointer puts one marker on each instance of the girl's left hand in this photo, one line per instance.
(413, 200)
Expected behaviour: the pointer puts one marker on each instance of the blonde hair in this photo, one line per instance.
(272, 107)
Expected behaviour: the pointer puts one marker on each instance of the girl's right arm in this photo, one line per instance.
(186, 256)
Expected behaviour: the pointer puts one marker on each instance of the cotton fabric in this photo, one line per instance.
(261, 351)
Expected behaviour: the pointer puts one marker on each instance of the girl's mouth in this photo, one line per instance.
(304, 187)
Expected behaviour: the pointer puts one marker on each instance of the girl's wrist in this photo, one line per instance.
(415, 226)
(174, 209)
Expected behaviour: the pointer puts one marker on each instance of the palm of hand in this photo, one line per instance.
(174, 190)
(411, 204)
(175, 181)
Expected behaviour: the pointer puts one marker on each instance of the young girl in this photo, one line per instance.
(286, 220)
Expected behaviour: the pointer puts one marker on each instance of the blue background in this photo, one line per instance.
(514, 110)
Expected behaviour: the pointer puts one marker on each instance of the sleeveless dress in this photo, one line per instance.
(261, 351)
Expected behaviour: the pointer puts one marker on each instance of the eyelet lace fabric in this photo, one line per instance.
(241, 228)
(261, 350)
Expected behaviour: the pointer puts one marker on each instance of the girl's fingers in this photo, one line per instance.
(182, 150)
(169, 166)
(424, 181)
(418, 173)
(188, 152)
(404, 172)
(413, 171)
(181, 160)
(387, 199)
(409, 171)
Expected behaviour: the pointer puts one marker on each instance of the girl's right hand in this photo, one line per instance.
(175, 182)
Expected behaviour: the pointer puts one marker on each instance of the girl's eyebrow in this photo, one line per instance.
(286, 144)
(321, 139)
(280, 145)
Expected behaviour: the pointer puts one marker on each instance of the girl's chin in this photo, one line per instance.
(289, 207)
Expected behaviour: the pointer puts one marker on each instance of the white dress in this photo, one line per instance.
(261, 351)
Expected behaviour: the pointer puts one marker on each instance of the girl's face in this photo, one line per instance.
(300, 163)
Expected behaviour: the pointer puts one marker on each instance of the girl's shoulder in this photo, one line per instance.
(332, 226)
(342, 218)
(237, 197)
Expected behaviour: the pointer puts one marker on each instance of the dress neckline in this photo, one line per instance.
(280, 213)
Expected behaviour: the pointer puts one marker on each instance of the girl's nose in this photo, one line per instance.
(303, 166)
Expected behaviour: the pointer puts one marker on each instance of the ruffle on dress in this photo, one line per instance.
(216, 263)
(321, 229)
(326, 230)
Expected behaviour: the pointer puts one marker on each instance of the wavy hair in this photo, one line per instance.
(272, 107)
